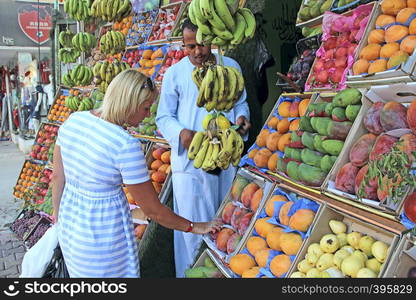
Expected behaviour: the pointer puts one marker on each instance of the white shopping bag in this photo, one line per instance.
(38, 257)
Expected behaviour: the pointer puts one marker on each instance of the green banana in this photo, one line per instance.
(240, 82)
(250, 21)
(205, 9)
(199, 158)
(199, 36)
(215, 21)
(203, 27)
(191, 13)
(219, 41)
(224, 13)
(239, 32)
(223, 34)
(198, 13)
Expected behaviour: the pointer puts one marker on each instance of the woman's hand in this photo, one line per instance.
(207, 227)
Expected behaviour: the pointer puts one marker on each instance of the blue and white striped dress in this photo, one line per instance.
(96, 232)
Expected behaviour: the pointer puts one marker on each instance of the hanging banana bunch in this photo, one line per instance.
(111, 10)
(112, 42)
(84, 41)
(68, 55)
(220, 87)
(65, 38)
(78, 9)
(222, 22)
(79, 103)
(104, 72)
(218, 146)
(79, 76)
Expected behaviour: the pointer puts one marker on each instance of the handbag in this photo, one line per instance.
(56, 267)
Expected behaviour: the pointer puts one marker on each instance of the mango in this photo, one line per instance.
(389, 49)
(338, 114)
(237, 188)
(345, 179)
(293, 153)
(307, 140)
(372, 118)
(360, 66)
(393, 116)
(282, 164)
(328, 109)
(411, 116)
(338, 130)
(310, 175)
(408, 44)
(322, 124)
(347, 97)
(292, 170)
(379, 65)
(333, 147)
(351, 112)
(296, 136)
(383, 144)
(360, 151)
(311, 158)
(370, 52)
(318, 110)
(392, 7)
(395, 33)
(327, 162)
(305, 124)
(317, 142)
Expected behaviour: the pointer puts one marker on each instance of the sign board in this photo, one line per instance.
(35, 22)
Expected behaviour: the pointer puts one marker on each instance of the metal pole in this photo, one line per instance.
(9, 104)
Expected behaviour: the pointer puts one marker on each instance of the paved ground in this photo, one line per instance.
(11, 248)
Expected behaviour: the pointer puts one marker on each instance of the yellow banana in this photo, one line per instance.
(200, 157)
(196, 144)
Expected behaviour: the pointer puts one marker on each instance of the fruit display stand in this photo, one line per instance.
(343, 178)
(276, 237)
(402, 70)
(207, 265)
(317, 17)
(158, 162)
(402, 264)
(329, 237)
(142, 23)
(238, 210)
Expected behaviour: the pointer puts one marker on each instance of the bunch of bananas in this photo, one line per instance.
(68, 55)
(112, 42)
(220, 87)
(77, 103)
(84, 41)
(79, 76)
(111, 10)
(218, 146)
(221, 22)
(78, 9)
(104, 72)
(65, 38)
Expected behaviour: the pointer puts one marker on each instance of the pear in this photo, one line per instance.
(329, 243)
(349, 249)
(325, 261)
(353, 239)
(339, 256)
(332, 272)
(365, 244)
(209, 263)
(342, 238)
(315, 248)
(373, 264)
(304, 266)
(312, 258)
(361, 255)
(313, 273)
(298, 275)
(337, 227)
(379, 251)
(366, 273)
(351, 265)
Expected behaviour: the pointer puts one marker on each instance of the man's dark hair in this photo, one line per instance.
(189, 25)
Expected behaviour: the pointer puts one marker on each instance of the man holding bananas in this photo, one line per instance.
(197, 194)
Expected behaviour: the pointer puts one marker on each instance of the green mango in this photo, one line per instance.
(293, 153)
(326, 6)
(327, 162)
(211, 272)
(338, 130)
(338, 114)
(329, 108)
(305, 14)
(321, 125)
(292, 170)
(305, 124)
(312, 158)
(294, 137)
(333, 147)
(352, 111)
(195, 273)
(307, 140)
(282, 164)
(306, 31)
(310, 175)
(317, 143)
(315, 11)
(347, 97)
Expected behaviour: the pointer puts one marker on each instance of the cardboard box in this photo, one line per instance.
(405, 71)
(321, 228)
(267, 187)
(291, 195)
(375, 94)
(403, 259)
(225, 271)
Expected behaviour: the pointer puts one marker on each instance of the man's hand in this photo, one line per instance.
(186, 137)
(244, 125)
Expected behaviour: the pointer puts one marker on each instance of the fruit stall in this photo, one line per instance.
(327, 190)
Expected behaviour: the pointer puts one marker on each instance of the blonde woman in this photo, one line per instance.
(93, 156)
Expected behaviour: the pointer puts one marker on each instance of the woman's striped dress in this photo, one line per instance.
(96, 232)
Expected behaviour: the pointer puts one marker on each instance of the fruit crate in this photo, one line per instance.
(404, 72)
(403, 259)
(213, 261)
(182, 15)
(37, 232)
(346, 7)
(174, 54)
(270, 127)
(353, 224)
(370, 97)
(285, 211)
(178, 8)
(23, 228)
(54, 114)
(232, 211)
(141, 28)
(312, 21)
(45, 138)
(29, 176)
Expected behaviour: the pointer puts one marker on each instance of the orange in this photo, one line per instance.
(284, 109)
(303, 106)
(283, 142)
(283, 125)
(27, 164)
(294, 125)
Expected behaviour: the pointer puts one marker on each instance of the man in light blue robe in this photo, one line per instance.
(197, 194)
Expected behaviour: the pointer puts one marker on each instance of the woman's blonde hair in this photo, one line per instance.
(126, 92)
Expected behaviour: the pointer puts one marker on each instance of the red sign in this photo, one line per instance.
(35, 27)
